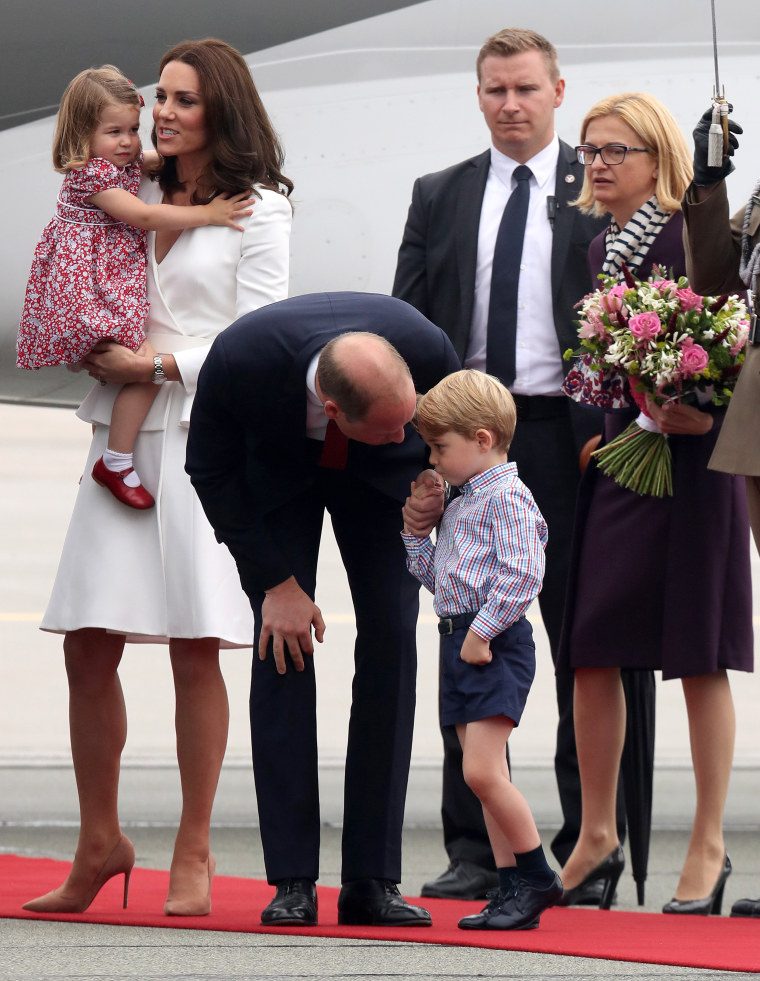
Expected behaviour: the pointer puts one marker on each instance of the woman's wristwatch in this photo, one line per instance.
(158, 371)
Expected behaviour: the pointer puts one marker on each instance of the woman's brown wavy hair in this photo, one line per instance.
(245, 149)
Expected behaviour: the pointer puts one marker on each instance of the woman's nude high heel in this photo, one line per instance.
(65, 899)
(193, 907)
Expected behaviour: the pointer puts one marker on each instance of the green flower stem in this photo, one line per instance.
(639, 461)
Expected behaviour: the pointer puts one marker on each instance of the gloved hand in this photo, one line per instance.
(704, 175)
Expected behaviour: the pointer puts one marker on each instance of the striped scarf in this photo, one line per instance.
(631, 244)
(749, 265)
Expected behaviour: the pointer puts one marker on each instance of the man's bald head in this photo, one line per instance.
(358, 369)
(366, 386)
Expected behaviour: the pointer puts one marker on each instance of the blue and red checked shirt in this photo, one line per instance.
(489, 554)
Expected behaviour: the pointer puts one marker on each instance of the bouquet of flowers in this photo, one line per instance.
(654, 340)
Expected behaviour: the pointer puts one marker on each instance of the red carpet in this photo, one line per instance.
(718, 943)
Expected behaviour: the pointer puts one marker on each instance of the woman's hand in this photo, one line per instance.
(679, 419)
(112, 362)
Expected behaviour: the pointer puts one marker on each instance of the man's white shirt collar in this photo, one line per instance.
(316, 420)
(543, 166)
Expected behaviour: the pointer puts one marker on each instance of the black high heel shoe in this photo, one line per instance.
(608, 872)
(710, 904)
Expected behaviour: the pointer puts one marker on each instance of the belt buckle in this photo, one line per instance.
(445, 626)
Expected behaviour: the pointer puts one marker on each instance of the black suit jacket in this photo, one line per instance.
(438, 254)
(247, 451)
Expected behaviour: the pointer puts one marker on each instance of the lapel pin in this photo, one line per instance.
(569, 178)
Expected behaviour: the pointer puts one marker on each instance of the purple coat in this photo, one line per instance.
(660, 583)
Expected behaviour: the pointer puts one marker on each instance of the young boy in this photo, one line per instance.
(485, 570)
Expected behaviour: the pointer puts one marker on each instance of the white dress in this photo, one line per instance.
(161, 573)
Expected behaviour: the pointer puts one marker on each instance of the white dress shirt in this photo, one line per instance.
(316, 420)
(538, 359)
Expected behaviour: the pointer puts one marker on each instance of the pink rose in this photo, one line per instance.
(663, 285)
(645, 326)
(694, 358)
(689, 300)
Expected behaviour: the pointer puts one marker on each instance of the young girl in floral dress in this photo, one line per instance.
(87, 284)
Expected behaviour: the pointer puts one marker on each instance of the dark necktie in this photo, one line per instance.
(335, 448)
(505, 278)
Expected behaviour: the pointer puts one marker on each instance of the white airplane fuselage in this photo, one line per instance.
(365, 108)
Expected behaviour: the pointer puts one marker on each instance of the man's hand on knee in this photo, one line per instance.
(288, 614)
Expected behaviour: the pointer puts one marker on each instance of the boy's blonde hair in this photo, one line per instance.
(465, 402)
(84, 100)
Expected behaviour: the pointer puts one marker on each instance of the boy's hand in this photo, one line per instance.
(424, 506)
(223, 210)
(475, 650)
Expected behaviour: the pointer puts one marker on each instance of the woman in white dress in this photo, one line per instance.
(159, 576)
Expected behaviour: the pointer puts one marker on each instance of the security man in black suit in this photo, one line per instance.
(305, 406)
(444, 269)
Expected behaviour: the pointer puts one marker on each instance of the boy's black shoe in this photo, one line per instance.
(520, 911)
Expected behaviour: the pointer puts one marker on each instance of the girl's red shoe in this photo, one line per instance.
(133, 497)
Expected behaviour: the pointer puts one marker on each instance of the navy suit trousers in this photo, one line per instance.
(385, 596)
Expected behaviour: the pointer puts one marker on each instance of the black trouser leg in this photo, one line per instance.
(386, 604)
(283, 721)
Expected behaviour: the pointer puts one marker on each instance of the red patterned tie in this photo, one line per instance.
(335, 449)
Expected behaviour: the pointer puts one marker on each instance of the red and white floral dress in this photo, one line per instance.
(88, 275)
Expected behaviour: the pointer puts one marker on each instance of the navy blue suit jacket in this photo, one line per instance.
(247, 448)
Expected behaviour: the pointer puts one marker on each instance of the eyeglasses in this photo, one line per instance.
(612, 154)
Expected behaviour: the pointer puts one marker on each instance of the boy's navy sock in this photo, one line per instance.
(507, 880)
(533, 868)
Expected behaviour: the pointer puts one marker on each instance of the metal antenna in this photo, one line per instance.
(715, 46)
(717, 144)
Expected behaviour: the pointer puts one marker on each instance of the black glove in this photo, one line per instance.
(704, 176)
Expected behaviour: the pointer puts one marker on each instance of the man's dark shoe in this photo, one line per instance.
(462, 880)
(746, 907)
(520, 911)
(294, 904)
(377, 902)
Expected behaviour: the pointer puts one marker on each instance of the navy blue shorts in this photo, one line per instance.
(468, 692)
